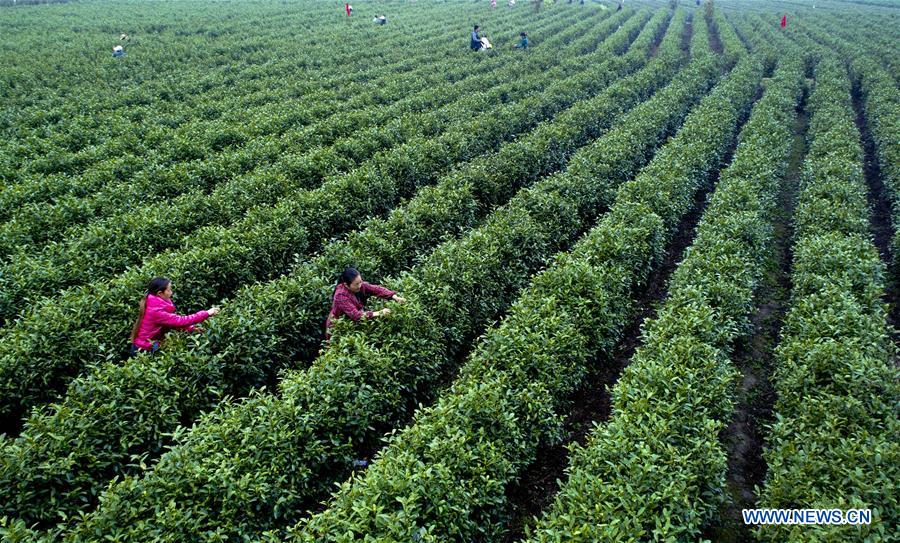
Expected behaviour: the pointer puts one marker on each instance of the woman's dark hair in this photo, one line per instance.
(156, 285)
(348, 275)
(523, 34)
(477, 27)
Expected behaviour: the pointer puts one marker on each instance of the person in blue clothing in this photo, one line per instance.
(523, 42)
(475, 40)
(118, 51)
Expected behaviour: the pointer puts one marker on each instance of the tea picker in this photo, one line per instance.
(349, 299)
(156, 316)
(477, 42)
(475, 39)
(523, 42)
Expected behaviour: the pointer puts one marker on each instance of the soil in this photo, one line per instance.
(715, 43)
(744, 42)
(686, 36)
(880, 222)
(754, 357)
(11, 426)
(685, 39)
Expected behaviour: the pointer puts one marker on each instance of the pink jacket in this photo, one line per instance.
(160, 317)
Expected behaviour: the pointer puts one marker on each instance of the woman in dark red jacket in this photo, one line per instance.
(157, 316)
(347, 302)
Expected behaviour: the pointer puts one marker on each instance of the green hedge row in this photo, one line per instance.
(881, 109)
(224, 151)
(835, 442)
(90, 322)
(122, 410)
(758, 38)
(106, 246)
(874, 37)
(149, 138)
(881, 103)
(446, 476)
(347, 398)
(84, 125)
(732, 47)
(656, 470)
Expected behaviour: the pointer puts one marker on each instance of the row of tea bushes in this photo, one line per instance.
(834, 442)
(656, 470)
(86, 125)
(122, 410)
(262, 138)
(446, 476)
(289, 462)
(56, 338)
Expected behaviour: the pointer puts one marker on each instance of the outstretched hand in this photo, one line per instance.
(399, 299)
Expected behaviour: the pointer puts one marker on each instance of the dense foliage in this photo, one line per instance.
(677, 394)
(834, 442)
(522, 201)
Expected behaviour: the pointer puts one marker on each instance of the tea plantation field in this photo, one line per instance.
(650, 269)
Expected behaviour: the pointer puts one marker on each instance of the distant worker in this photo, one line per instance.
(349, 9)
(523, 42)
(156, 316)
(783, 21)
(475, 40)
(118, 51)
(123, 37)
(380, 20)
(493, 3)
(347, 301)
(619, 7)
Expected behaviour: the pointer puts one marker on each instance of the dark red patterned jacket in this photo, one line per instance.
(349, 304)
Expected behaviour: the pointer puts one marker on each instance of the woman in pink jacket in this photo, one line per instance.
(157, 316)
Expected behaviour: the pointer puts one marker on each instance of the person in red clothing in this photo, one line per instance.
(348, 8)
(349, 299)
(157, 316)
(783, 21)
